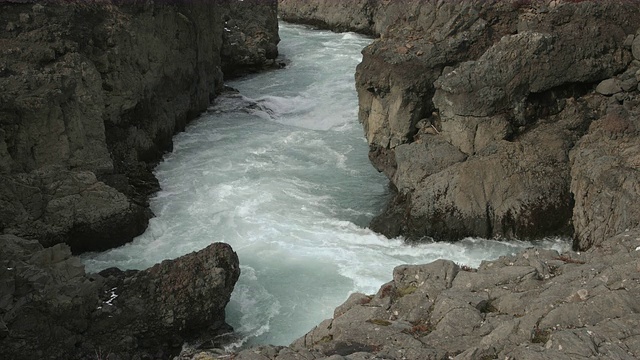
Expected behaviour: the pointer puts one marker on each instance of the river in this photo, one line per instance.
(280, 172)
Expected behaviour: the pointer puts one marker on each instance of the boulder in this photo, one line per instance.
(49, 306)
(57, 205)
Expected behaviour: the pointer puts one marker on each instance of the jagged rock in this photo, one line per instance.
(250, 36)
(605, 176)
(49, 307)
(503, 80)
(537, 304)
(102, 88)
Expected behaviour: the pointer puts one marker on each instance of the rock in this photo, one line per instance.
(609, 87)
(250, 37)
(96, 92)
(635, 47)
(500, 83)
(605, 176)
(170, 303)
(535, 304)
(57, 205)
(49, 305)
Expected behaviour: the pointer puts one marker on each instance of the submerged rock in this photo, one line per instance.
(49, 307)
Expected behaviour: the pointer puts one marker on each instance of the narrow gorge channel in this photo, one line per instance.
(280, 172)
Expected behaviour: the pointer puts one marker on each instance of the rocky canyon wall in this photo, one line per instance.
(514, 119)
(91, 93)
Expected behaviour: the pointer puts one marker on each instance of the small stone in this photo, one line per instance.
(628, 41)
(609, 87)
(635, 48)
(24, 17)
(629, 84)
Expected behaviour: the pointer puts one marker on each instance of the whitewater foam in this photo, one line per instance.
(280, 171)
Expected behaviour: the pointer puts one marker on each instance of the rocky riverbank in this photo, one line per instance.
(512, 119)
(535, 305)
(91, 93)
(493, 118)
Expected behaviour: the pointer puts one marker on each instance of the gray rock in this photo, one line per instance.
(635, 47)
(48, 303)
(609, 87)
(605, 174)
(97, 92)
(497, 102)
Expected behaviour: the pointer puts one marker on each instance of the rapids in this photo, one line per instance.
(280, 172)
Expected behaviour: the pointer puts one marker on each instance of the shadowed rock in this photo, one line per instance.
(49, 307)
(91, 93)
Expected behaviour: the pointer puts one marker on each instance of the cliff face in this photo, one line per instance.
(488, 116)
(91, 94)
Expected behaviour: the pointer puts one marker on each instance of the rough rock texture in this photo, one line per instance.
(91, 94)
(537, 304)
(472, 108)
(502, 85)
(605, 175)
(49, 307)
(250, 36)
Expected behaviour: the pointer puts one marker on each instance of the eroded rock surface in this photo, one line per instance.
(537, 304)
(49, 307)
(91, 94)
(472, 109)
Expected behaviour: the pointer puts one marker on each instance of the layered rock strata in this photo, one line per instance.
(91, 94)
(49, 307)
(496, 118)
(538, 304)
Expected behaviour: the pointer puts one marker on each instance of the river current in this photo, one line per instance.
(280, 172)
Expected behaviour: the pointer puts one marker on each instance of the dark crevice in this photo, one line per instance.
(544, 104)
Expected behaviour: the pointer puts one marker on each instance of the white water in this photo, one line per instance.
(281, 173)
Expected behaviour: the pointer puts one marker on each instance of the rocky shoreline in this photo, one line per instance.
(490, 118)
(498, 118)
(91, 93)
(495, 119)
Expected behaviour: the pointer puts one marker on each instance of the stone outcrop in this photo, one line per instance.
(91, 94)
(537, 304)
(249, 37)
(49, 307)
(476, 111)
(605, 173)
